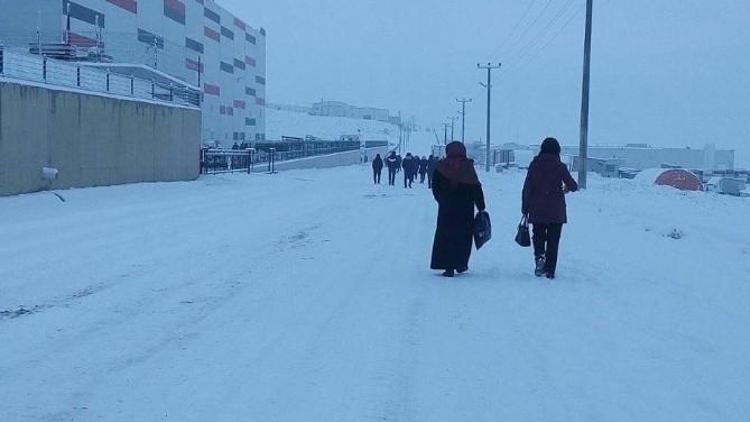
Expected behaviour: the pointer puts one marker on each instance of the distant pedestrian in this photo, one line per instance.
(422, 169)
(543, 204)
(377, 169)
(409, 165)
(393, 164)
(457, 190)
(432, 162)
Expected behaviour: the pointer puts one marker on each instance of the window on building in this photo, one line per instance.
(226, 67)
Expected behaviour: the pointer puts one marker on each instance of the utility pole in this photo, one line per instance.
(583, 154)
(453, 127)
(445, 130)
(463, 102)
(489, 67)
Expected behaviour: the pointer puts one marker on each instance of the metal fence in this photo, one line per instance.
(218, 161)
(41, 69)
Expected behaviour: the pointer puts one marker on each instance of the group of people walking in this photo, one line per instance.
(414, 168)
(458, 192)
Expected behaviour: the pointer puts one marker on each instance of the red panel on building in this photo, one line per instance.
(194, 65)
(211, 89)
(239, 24)
(240, 104)
(250, 61)
(210, 33)
(129, 5)
(260, 101)
(80, 40)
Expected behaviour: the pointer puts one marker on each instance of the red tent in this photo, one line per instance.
(680, 179)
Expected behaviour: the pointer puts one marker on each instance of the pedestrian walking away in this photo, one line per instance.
(409, 165)
(377, 169)
(457, 190)
(392, 163)
(432, 162)
(543, 204)
(422, 169)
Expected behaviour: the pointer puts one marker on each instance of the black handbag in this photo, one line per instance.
(482, 229)
(523, 238)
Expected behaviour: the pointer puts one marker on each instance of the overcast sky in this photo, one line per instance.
(664, 72)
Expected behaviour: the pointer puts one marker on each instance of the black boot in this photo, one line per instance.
(449, 273)
(462, 270)
(540, 264)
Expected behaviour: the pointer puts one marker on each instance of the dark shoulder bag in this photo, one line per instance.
(523, 238)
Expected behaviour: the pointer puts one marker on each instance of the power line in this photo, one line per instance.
(525, 49)
(532, 24)
(512, 33)
(532, 55)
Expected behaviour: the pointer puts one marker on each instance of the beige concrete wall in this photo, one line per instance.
(92, 140)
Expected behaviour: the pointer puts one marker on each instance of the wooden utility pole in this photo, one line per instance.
(583, 154)
(489, 67)
(463, 102)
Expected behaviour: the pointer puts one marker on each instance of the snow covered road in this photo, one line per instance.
(305, 296)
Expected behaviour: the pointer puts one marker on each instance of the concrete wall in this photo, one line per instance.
(92, 140)
(325, 161)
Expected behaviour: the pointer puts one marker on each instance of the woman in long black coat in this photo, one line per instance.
(457, 190)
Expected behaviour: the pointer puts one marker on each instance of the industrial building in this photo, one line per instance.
(195, 41)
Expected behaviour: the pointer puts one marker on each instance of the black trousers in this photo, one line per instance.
(547, 244)
(422, 177)
(392, 177)
(376, 176)
(408, 180)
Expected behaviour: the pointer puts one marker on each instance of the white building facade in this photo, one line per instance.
(196, 41)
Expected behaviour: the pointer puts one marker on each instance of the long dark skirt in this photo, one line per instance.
(451, 249)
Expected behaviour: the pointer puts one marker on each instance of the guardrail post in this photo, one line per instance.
(153, 90)
(78, 76)
(44, 68)
(271, 160)
(2, 47)
(171, 93)
(107, 81)
(132, 86)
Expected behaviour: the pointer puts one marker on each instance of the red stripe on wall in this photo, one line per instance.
(240, 104)
(194, 65)
(129, 5)
(80, 40)
(210, 33)
(239, 24)
(260, 101)
(250, 61)
(211, 89)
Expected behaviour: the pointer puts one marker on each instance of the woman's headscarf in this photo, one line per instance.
(456, 167)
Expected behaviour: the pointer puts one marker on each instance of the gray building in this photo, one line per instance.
(195, 41)
(641, 157)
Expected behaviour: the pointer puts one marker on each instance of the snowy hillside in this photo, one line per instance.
(286, 123)
(152, 302)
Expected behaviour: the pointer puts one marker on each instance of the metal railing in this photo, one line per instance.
(219, 161)
(41, 69)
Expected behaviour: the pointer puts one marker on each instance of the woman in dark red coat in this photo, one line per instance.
(457, 190)
(547, 182)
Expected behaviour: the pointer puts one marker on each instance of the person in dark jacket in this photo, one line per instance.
(377, 169)
(431, 166)
(422, 169)
(409, 164)
(457, 190)
(393, 164)
(543, 204)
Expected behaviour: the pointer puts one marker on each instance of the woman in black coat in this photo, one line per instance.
(457, 190)
(543, 204)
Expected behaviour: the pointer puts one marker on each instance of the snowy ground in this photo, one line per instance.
(305, 296)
